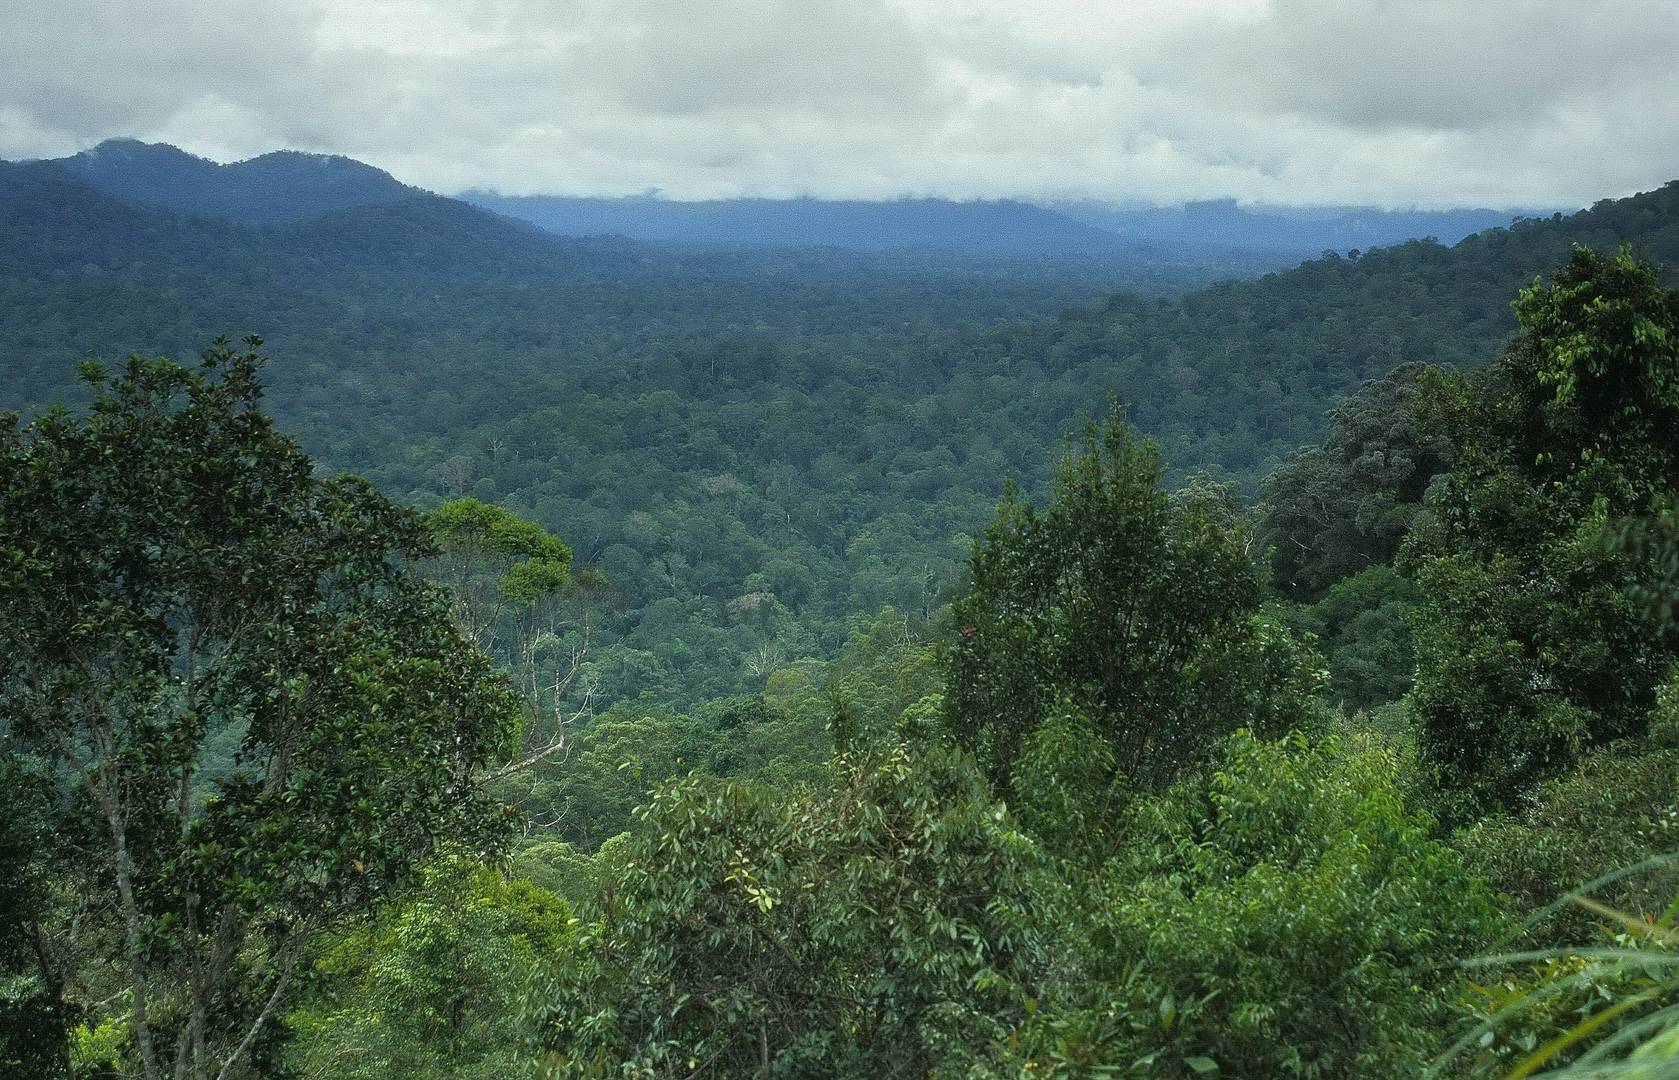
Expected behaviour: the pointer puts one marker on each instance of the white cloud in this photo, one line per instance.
(1433, 102)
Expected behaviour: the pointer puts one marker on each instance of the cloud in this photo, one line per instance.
(1528, 103)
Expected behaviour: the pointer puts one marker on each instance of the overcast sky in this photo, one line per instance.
(1501, 103)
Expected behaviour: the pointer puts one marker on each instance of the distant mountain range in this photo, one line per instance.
(287, 186)
(1224, 223)
(1002, 226)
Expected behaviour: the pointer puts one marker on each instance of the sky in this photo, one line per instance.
(1394, 103)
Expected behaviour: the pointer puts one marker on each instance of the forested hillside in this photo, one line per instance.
(752, 447)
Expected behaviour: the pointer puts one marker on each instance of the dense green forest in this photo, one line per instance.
(1283, 765)
(750, 447)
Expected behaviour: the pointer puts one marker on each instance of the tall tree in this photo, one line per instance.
(270, 721)
(33, 1012)
(509, 580)
(887, 921)
(1139, 612)
(1332, 510)
(492, 560)
(1530, 648)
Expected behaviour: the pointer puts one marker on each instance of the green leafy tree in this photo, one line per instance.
(33, 1011)
(889, 922)
(613, 762)
(493, 559)
(1597, 998)
(1530, 647)
(179, 580)
(1280, 914)
(1653, 540)
(1139, 612)
(432, 987)
(1329, 511)
(1068, 794)
(1615, 810)
(515, 594)
(1363, 628)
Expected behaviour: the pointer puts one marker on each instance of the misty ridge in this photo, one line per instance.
(286, 186)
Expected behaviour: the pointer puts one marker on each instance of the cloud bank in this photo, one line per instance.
(1502, 103)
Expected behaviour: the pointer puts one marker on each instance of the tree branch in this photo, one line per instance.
(262, 1018)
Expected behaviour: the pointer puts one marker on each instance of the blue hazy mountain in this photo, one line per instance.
(290, 186)
(998, 226)
(1227, 225)
(282, 186)
(154, 213)
(1002, 226)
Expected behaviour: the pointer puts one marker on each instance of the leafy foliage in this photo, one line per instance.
(886, 921)
(494, 557)
(269, 720)
(1279, 915)
(1606, 1009)
(1614, 810)
(432, 987)
(1332, 510)
(33, 1012)
(255, 762)
(1653, 541)
(1529, 648)
(1141, 612)
(1363, 627)
(691, 419)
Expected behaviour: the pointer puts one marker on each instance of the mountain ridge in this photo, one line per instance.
(273, 188)
(1011, 226)
(285, 186)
